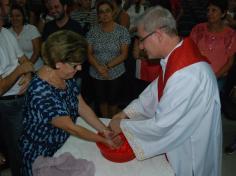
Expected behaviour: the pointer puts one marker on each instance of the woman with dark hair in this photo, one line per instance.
(29, 14)
(27, 35)
(108, 48)
(53, 102)
(216, 40)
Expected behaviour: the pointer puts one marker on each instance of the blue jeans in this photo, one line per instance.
(10, 131)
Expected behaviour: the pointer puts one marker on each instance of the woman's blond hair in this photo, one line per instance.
(64, 46)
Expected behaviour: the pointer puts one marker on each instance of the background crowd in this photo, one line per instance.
(115, 71)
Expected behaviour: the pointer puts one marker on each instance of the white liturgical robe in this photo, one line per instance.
(185, 124)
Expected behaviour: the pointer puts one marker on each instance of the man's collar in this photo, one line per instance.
(164, 61)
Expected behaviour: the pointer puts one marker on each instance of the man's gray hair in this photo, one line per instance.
(158, 17)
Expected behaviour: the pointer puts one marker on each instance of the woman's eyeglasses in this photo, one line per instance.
(105, 11)
(73, 64)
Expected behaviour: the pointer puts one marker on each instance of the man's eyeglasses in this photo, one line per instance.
(148, 35)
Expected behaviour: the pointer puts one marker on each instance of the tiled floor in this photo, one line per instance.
(229, 161)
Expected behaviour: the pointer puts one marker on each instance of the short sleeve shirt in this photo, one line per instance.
(106, 46)
(217, 47)
(52, 27)
(29, 33)
(10, 52)
(43, 103)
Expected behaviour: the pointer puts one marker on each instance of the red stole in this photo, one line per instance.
(149, 71)
(183, 56)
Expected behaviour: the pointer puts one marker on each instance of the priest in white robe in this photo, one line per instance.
(179, 113)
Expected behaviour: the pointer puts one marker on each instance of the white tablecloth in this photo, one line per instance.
(156, 166)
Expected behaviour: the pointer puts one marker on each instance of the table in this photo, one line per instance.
(79, 148)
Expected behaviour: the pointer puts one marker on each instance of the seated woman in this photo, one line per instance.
(216, 40)
(53, 102)
(27, 35)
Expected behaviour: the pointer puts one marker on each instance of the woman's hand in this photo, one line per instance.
(107, 133)
(115, 142)
(103, 71)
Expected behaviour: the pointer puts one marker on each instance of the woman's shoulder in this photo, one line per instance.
(31, 30)
(200, 27)
(30, 27)
(229, 30)
(121, 28)
(37, 85)
(229, 37)
(94, 29)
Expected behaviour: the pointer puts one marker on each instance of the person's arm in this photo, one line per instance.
(36, 42)
(102, 69)
(32, 18)
(41, 25)
(7, 82)
(26, 77)
(124, 20)
(119, 59)
(65, 123)
(175, 119)
(135, 50)
(143, 107)
(115, 122)
(89, 116)
(225, 68)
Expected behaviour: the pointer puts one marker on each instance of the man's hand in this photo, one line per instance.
(114, 124)
(24, 83)
(25, 67)
(120, 115)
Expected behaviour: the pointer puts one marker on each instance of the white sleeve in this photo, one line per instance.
(177, 115)
(145, 105)
(2, 59)
(34, 32)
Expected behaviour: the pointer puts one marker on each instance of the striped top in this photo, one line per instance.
(86, 19)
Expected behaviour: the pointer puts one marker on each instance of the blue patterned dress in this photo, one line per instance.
(44, 102)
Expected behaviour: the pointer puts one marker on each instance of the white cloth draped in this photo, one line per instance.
(156, 166)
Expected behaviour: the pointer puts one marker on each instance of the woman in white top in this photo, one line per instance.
(27, 35)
